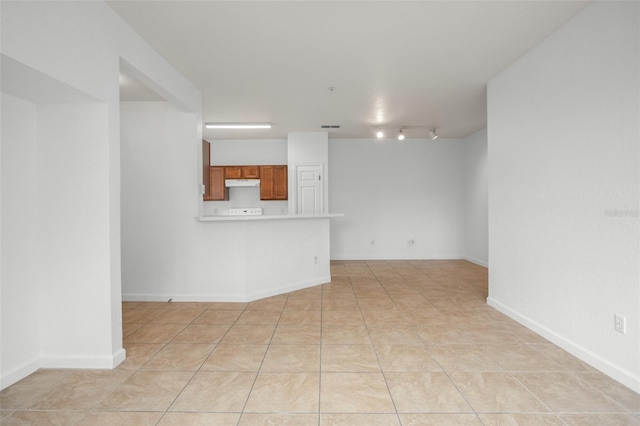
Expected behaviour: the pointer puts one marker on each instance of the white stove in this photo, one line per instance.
(253, 211)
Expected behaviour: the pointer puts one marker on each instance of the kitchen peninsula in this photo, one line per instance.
(274, 241)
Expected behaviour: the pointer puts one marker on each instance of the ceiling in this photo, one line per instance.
(390, 63)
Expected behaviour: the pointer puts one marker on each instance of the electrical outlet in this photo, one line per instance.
(411, 242)
(315, 260)
(620, 324)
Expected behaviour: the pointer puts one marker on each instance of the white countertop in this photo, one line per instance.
(268, 217)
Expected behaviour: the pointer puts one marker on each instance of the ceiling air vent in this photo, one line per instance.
(330, 126)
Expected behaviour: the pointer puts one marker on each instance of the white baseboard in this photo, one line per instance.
(19, 373)
(621, 375)
(246, 297)
(97, 362)
(398, 257)
(476, 261)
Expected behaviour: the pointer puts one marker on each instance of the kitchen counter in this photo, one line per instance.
(267, 217)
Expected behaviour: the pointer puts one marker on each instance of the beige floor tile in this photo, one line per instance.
(292, 359)
(384, 317)
(215, 391)
(178, 316)
(146, 391)
(180, 356)
(42, 418)
(521, 357)
(249, 334)
(228, 305)
(304, 304)
(329, 419)
(128, 329)
(440, 420)
(352, 317)
(349, 359)
(110, 418)
(376, 303)
(275, 303)
(614, 390)
(345, 335)
(296, 335)
(155, 333)
(444, 334)
(284, 393)
(564, 392)
(235, 358)
(259, 317)
(218, 316)
(202, 333)
(600, 420)
(518, 419)
(293, 317)
(354, 393)
(81, 390)
(189, 305)
(425, 393)
(251, 419)
(141, 316)
(567, 361)
(406, 358)
(339, 304)
(31, 387)
(496, 392)
(398, 335)
(196, 419)
(5, 413)
(464, 357)
(138, 354)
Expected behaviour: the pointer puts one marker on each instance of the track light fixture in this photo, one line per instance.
(400, 135)
(432, 134)
(380, 134)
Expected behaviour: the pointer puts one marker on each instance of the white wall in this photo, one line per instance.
(19, 295)
(391, 192)
(167, 253)
(475, 197)
(563, 188)
(73, 50)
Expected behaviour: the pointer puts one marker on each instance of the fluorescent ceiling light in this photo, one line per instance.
(237, 125)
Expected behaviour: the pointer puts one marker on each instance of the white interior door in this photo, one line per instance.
(309, 189)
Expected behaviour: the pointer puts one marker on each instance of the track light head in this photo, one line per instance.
(432, 134)
(379, 134)
(400, 135)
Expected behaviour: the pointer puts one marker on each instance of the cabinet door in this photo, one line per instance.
(266, 183)
(280, 183)
(233, 172)
(206, 164)
(250, 172)
(218, 191)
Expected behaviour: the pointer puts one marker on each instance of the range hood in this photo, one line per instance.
(230, 183)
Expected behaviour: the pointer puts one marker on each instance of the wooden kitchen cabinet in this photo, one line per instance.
(273, 183)
(217, 189)
(242, 172)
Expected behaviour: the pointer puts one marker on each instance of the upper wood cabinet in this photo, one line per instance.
(242, 172)
(273, 183)
(217, 189)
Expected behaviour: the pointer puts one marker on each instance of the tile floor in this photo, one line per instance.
(386, 343)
